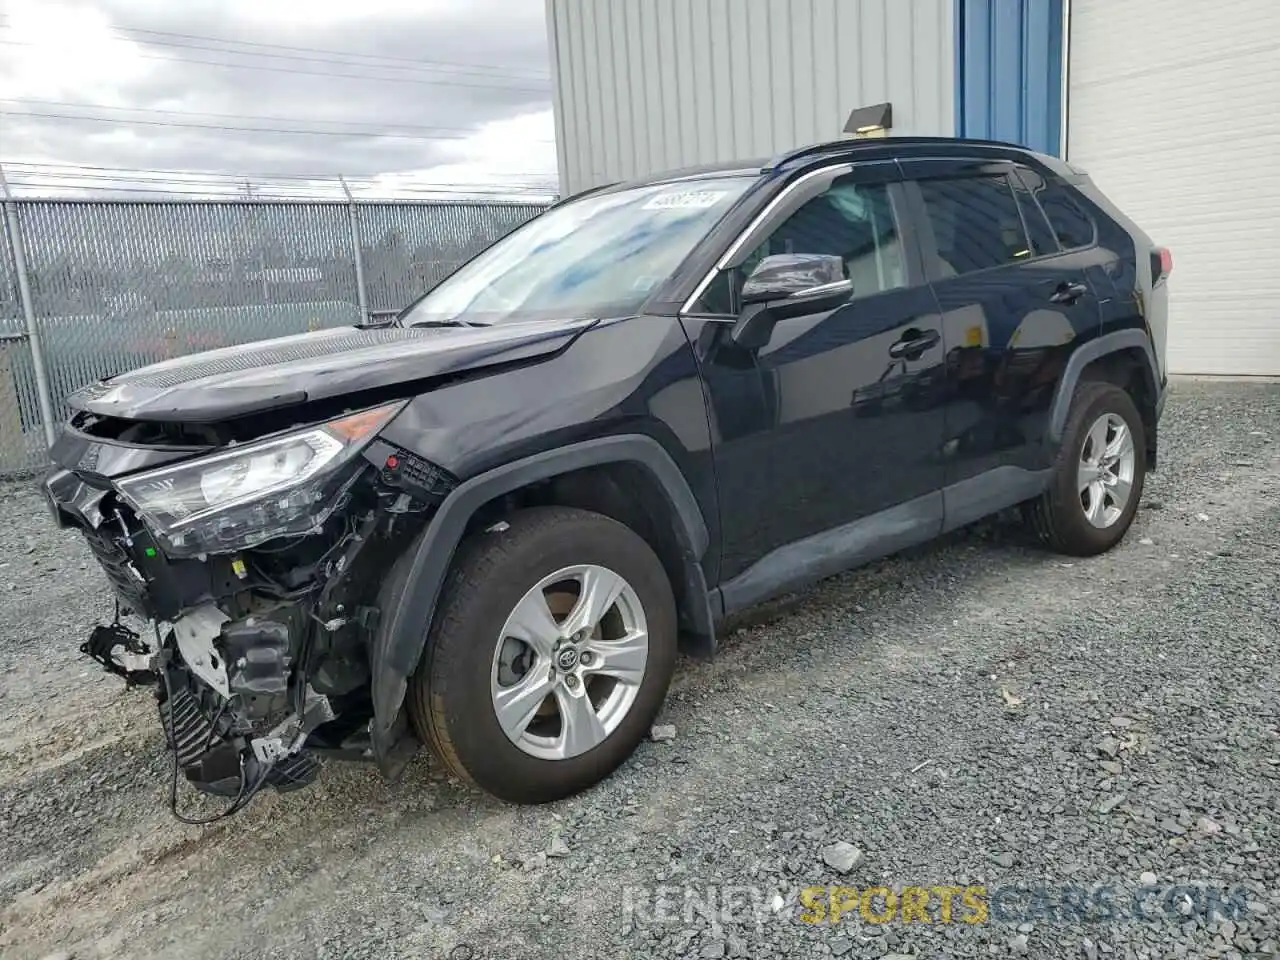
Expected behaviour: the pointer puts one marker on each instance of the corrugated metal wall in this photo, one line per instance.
(650, 85)
(1009, 65)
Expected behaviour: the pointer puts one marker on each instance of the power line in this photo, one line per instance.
(482, 68)
(274, 192)
(238, 176)
(409, 63)
(242, 116)
(451, 196)
(210, 173)
(317, 73)
(230, 127)
(140, 178)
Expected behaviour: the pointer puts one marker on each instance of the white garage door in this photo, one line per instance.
(1174, 109)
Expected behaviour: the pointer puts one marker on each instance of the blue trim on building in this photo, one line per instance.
(1009, 71)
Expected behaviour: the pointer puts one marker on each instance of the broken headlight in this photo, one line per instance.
(286, 485)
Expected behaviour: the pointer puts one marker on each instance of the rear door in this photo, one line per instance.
(1014, 306)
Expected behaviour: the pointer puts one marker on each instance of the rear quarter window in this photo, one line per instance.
(1071, 223)
(1043, 240)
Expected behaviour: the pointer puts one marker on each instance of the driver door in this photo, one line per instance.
(827, 437)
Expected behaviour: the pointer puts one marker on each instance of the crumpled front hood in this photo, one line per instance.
(236, 381)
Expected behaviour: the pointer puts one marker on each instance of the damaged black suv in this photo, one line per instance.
(490, 525)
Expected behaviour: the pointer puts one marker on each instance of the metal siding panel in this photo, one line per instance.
(760, 65)
(557, 102)
(722, 100)
(975, 119)
(624, 110)
(787, 100)
(782, 41)
(1149, 124)
(693, 64)
(828, 115)
(581, 99)
(1039, 89)
(900, 43)
(1055, 93)
(603, 120)
(670, 70)
(873, 52)
(927, 26)
(639, 133)
(650, 85)
(807, 77)
(1006, 69)
(739, 92)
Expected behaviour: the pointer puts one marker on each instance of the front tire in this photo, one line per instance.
(549, 656)
(1098, 476)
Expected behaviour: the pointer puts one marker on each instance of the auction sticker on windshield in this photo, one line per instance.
(686, 200)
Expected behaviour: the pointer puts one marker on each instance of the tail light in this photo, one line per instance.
(1161, 264)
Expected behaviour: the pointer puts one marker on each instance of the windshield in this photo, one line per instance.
(599, 256)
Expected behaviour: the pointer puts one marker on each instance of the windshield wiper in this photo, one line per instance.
(451, 322)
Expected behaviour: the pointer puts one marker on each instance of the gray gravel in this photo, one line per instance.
(974, 712)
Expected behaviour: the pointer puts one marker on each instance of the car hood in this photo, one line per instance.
(236, 381)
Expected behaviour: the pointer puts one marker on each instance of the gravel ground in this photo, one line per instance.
(976, 712)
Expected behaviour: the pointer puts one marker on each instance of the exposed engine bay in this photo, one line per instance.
(259, 565)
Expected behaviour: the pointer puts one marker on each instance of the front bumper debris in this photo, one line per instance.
(260, 660)
(121, 651)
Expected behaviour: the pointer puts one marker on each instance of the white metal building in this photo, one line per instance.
(1173, 106)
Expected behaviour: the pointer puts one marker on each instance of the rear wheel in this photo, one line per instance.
(549, 657)
(1099, 474)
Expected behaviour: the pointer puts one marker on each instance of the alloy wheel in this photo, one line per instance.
(1104, 475)
(569, 662)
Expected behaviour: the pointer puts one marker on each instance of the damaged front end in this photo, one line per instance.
(258, 562)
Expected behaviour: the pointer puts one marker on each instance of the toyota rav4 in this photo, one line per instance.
(490, 525)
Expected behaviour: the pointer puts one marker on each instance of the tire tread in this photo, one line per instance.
(432, 693)
(1054, 516)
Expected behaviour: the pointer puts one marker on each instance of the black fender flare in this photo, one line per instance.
(402, 632)
(1107, 343)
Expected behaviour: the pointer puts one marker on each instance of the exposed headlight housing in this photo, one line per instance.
(282, 486)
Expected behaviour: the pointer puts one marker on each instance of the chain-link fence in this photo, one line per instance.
(91, 288)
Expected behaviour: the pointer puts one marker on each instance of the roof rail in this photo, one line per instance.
(838, 148)
(812, 150)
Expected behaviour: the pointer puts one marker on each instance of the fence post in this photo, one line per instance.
(43, 396)
(357, 255)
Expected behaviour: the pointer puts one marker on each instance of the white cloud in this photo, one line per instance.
(515, 151)
(56, 50)
(411, 110)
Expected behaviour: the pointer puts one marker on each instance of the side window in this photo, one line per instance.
(718, 298)
(975, 222)
(854, 221)
(1071, 225)
(1043, 241)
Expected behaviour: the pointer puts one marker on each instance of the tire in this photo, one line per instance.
(453, 696)
(1061, 515)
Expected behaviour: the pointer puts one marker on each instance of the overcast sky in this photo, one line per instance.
(409, 93)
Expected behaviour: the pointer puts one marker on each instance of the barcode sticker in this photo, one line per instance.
(686, 200)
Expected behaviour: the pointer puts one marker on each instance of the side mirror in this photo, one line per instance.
(788, 285)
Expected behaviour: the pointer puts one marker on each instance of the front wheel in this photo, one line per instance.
(1098, 476)
(549, 657)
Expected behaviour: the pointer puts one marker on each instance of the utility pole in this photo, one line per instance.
(356, 251)
(247, 190)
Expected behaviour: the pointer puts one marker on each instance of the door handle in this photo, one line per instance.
(1069, 292)
(913, 344)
